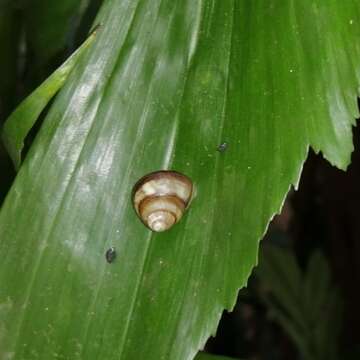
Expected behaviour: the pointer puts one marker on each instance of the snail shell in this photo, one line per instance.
(160, 199)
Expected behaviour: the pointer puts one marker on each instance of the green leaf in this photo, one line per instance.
(317, 282)
(296, 333)
(21, 121)
(308, 307)
(324, 308)
(278, 269)
(165, 83)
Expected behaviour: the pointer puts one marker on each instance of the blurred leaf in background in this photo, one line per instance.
(307, 304)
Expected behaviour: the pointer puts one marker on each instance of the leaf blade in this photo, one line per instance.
(24, 117)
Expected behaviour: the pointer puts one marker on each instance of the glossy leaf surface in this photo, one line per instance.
(164, 85)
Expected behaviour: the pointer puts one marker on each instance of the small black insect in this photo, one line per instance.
(222, 147)
(110, 255)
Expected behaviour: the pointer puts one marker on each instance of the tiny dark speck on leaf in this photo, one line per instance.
(222, 147)
(110, 255)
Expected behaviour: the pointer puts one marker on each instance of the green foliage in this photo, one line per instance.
(20, 122)
(307, 305)
(163, 85)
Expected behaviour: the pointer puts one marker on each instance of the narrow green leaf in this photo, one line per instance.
(327, 334)
(316, 287)
(296, 333)
(308, 308)
(324, 308)
(167, 82)
(20, 122)
(279, 271)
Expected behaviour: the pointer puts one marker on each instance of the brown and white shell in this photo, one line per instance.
(160, 198)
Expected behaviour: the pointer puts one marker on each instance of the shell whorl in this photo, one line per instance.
(160, 198)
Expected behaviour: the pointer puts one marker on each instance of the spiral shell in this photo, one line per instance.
(160, 199)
